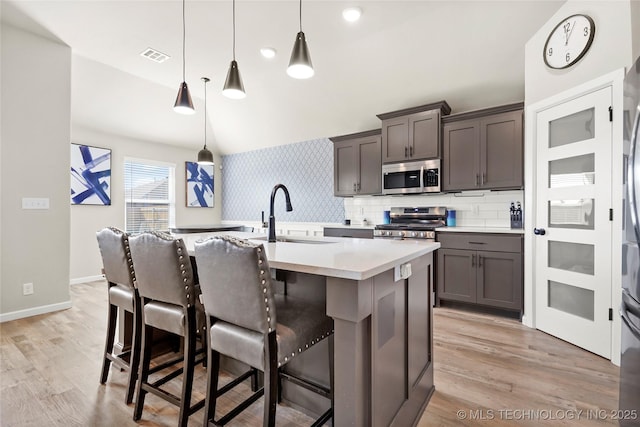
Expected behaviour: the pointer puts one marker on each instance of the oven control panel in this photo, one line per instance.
(404, 234)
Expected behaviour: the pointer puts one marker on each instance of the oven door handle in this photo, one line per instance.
(422, 189)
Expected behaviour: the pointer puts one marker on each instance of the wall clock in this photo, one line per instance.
(569, 41)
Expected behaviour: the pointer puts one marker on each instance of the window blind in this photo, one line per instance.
(149, 202)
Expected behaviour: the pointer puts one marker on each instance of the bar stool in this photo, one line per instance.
(118, 270)
(165, 281)
(248, 322)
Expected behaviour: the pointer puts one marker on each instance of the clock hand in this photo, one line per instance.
(570, 31)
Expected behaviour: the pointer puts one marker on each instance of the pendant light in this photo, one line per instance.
(205, 157)
(300, 66)
(183, 104)
(233, 87)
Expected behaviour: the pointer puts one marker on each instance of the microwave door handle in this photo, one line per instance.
(422, 178)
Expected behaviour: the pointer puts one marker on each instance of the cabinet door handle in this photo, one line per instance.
(484, 177)
(410, 151)
(477, 179)
(358, 187)
(480, 261)
(473, 260)
(405, 151)
(354, 187)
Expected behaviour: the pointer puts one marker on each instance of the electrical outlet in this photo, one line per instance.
(27, 289)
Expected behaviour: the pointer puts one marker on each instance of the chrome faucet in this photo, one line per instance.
(272, 219)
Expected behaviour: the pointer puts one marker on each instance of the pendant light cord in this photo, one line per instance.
(234, 30)
(184, 36)
(300, 15)
(205, 114)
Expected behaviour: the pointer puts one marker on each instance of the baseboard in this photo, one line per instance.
(43, 309)
(87, 279)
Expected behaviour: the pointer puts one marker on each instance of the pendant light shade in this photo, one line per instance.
(233, 87)
(300, 66)
(205, 157)
(183, 104)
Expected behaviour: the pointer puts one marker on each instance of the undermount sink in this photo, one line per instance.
(294, 240)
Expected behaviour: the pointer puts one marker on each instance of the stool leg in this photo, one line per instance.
(108, 345)
(270, 380)
(143, 371)
(188, 367)
(213, 370)
(134, 358)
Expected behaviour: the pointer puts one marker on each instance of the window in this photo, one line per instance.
(149, 195)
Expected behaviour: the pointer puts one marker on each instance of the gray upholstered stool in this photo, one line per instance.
(165, 281)
(118, 270)
(250, 323)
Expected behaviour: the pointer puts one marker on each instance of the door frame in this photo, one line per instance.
(614, 79)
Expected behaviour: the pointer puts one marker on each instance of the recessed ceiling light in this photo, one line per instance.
(268, 52)
(352, 14)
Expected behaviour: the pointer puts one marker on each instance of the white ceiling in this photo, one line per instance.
(400, 54)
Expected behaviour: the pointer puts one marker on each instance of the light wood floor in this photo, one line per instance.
(493, 369)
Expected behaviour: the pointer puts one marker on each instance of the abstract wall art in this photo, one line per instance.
(90, 175)
(199, 185)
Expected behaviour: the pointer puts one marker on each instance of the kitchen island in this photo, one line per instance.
(378, 293)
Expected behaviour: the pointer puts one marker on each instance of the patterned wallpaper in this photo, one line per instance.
(305, 168)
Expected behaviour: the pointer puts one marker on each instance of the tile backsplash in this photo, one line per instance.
(473, 208)
(306, 168)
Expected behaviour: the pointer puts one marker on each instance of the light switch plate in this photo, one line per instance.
(35, 203)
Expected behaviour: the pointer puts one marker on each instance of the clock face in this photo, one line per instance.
(569, 41)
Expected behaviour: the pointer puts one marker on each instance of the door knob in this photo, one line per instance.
(539, 231)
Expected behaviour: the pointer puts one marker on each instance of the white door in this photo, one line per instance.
(573, 226)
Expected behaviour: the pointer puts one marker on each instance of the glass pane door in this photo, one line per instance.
(573, 198)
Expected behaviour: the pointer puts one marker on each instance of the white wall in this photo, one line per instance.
(86, 220)
(36, 105)
(611, 48)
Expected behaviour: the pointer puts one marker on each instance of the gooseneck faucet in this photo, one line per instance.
(272, 219)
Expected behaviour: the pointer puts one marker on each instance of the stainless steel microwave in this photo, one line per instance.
(416, 177)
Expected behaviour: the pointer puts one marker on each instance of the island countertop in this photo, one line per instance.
(347, 258)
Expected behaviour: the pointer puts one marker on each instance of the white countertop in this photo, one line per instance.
(480, 230)
(347, 258)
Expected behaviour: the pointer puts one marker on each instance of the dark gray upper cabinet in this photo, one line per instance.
(357, 164)
(483, 149)
(413, 133)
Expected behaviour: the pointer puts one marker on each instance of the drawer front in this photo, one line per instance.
(362, 233)
(481, 242)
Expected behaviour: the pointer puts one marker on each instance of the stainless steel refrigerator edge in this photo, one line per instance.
(629, 414)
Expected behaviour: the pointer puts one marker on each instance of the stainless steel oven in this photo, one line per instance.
(414, 177)
(412, 223)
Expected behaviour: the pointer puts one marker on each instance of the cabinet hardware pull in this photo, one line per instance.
(484, 177)
(477, 243)
(410, 151)
(405, 151)
(473, 260)
(477, 179)
(480, 261)
(354, 187)
(358, 187)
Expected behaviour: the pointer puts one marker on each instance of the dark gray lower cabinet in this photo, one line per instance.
(485, 269)
(361, 233)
